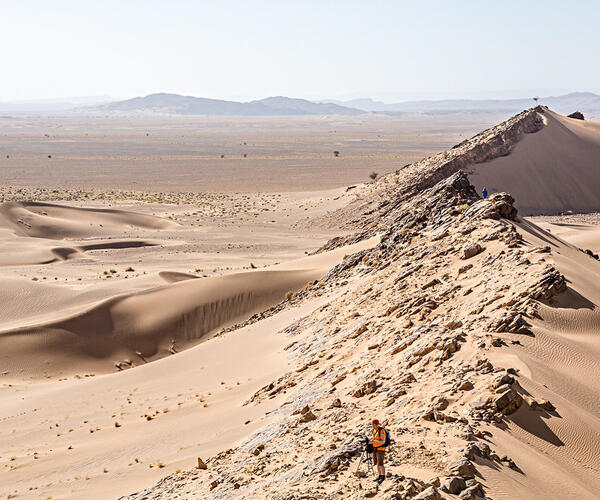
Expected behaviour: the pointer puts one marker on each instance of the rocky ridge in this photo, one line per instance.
(376, 201)
(407, 336)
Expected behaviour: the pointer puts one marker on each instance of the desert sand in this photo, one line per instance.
(141, 330)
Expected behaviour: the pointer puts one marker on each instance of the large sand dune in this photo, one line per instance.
(554, 170)
(149, 322)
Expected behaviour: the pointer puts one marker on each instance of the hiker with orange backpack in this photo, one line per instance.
(380, 440)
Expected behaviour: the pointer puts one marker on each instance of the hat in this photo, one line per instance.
(375, 421)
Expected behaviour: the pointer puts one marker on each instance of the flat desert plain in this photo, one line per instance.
(212, 154)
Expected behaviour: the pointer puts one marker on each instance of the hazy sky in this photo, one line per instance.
(314, 49)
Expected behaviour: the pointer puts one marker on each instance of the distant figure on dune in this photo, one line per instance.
(484, 193)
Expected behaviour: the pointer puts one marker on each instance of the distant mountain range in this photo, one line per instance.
(173, 104)
(586, 102)
(52, 105)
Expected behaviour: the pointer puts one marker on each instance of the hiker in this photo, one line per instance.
(484, 193)
(379, 442)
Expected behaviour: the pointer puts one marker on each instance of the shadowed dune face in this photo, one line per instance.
(45, 220)
(554, 170)
(147, 322)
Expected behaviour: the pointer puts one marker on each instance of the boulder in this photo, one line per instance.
(474, 492)
(476, 449)
(430, 493)
(463, 468)
(471, 251)
(453, 484)
(508, 402)
(578, 115)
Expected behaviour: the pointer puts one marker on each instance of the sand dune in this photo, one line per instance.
(174, 277)
(149, 322)
(45, 220)
(554, 170)
(562, 365)
(22, 251)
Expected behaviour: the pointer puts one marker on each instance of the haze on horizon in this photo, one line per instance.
(314, 50)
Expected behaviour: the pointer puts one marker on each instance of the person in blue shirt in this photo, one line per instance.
(484, 193)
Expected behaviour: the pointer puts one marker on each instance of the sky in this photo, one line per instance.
(243, 50)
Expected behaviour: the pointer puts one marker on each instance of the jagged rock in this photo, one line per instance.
(431, 283)
(367, 388)
(258, 450)
(578, 115)
(476, 449)
(497, 206)
(550, 285)
(361, 329)
(508, 402)
(201, 464)
(471, 251)
(453, 484)
(463, 468)
(430, 493)
(301, 411)
(440, 403)
(435, 482)
(501, 380)
(307, 417)
(474, 492)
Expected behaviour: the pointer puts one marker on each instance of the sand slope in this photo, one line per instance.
(553, 170)
(561, 363)
(149, 322)
(46, 220)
